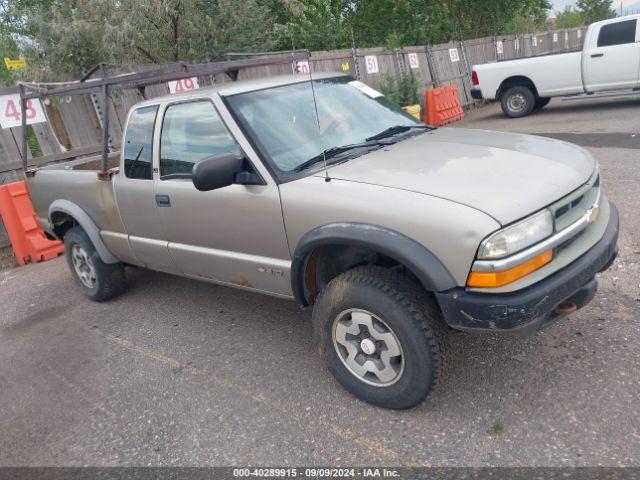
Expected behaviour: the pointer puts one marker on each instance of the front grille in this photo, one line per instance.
(572, 207)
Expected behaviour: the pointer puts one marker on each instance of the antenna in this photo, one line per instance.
(327, 178)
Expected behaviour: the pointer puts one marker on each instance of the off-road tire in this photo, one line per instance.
(409, 311)
(541, 102)
(517, 96)
(110, 278)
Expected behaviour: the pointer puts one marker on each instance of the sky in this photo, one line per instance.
(558, 5)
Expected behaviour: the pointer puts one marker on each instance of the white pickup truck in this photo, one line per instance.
(609, 61)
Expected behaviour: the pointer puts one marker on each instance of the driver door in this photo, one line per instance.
(233, 235)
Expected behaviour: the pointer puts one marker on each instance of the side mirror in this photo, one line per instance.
(217, 171)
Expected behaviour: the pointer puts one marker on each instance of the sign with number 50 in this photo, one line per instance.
(10, 111)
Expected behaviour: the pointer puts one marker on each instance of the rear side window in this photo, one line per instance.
(192, 132)
(138, 143)
(617, 33)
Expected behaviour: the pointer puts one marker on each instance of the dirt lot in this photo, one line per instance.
(177, 372)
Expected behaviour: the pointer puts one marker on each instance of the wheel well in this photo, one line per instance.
(515, 81)
(325, 263)
(61, 222)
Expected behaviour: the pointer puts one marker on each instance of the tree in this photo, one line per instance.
(314, 24)
(62, 38)
(569, 18)
(595, 10)
(393, 23)
(67, 37)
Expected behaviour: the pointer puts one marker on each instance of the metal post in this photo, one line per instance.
(354, 55)
(433, 68)
(23, 118)
(466, 79)
(399, 62)
(106, 97)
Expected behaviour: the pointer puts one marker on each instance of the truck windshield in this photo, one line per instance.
(282, 120)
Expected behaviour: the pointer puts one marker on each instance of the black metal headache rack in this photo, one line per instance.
(137, 80)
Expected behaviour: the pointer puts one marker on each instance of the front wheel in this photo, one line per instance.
(381, 336)
(517, 102)
(98, 280)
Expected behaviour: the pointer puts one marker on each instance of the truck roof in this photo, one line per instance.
(242, 86)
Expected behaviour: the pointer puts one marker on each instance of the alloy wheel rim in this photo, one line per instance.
(368, 348)
(83, 266)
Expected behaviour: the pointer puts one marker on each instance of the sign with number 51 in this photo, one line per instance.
(10, 112)
(371, 62)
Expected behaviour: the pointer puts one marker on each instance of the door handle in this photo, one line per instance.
(163, 201)
(596, 55)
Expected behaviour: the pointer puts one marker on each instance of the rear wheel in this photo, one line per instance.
(517, 101)
(541, 102)
(381, 336)
(98, 280)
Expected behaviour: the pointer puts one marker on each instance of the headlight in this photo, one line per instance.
(517, 237)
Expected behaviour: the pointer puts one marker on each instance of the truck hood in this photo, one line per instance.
(507, 176)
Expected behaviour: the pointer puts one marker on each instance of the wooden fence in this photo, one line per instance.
(73, 121)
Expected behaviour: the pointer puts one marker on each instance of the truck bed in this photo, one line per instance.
(76, 181)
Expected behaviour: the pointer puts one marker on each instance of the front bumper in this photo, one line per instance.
(528, 310)
(476, 93)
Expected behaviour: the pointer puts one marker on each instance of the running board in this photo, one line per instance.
(593, 95)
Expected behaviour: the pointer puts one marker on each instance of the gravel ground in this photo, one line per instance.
(177, 372)
(7, 258)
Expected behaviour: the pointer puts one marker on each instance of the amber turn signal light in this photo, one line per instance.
(498, 279)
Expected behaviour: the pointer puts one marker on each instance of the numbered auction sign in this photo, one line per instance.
(499, 47)
(453, 55)
(534, 41)
(10, 112)
(371, 61)
(303, 67)
(183, 85)
(413, 60)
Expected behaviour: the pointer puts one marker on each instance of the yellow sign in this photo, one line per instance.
(345, 67)
(15, 64)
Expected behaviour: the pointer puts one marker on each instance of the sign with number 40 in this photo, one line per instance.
(10, 111)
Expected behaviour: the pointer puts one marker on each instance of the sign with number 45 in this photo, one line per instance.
(10, 112)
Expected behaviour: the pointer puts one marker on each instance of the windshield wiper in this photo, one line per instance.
(334, 152)
(391, 131)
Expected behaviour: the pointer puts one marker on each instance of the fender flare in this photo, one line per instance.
(521, 80)
(88, 225)
(429, 270)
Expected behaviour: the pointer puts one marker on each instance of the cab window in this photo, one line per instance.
(138, 143)
(191, 132)
(617, 33)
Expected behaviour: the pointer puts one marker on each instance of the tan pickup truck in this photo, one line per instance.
(392, 230)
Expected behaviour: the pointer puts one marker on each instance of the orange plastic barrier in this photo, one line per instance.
(442, 106)
(27, 238)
